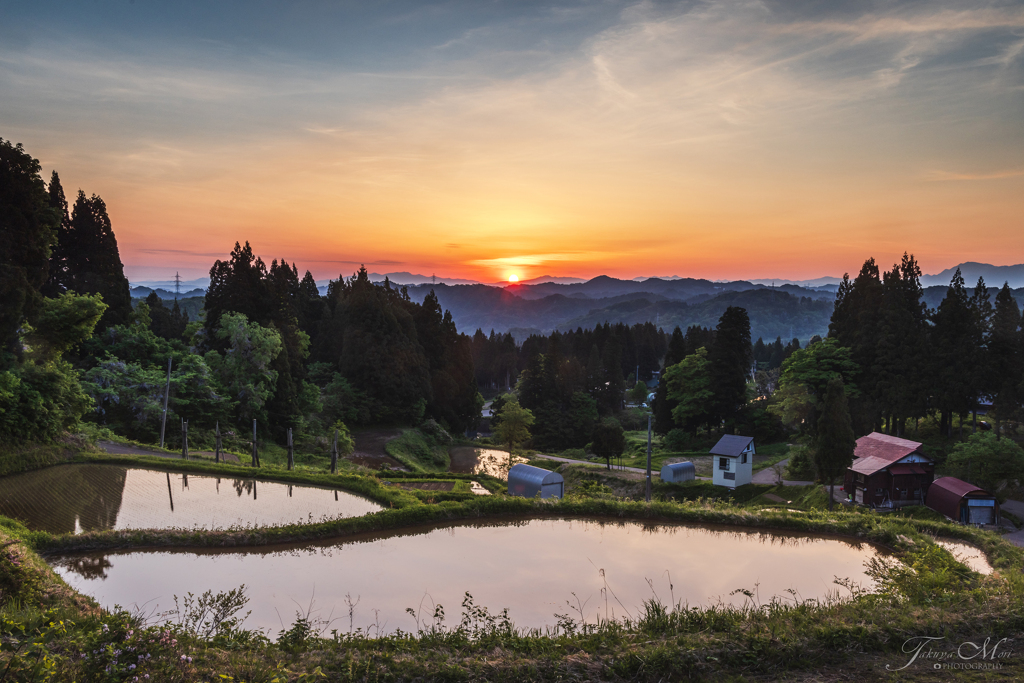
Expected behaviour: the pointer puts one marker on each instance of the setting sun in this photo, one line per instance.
(513, 278)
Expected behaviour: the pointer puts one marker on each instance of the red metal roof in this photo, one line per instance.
(945, 494)
(884, 447)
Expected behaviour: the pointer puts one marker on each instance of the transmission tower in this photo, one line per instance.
(177, 285)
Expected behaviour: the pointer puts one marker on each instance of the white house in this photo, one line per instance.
(733, 461)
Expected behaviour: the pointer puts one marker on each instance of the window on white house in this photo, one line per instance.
(723, 463)
(744, 460)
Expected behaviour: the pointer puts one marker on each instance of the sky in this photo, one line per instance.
(720, 139)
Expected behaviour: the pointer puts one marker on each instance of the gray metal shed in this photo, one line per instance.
(678, 472)
(528, 481)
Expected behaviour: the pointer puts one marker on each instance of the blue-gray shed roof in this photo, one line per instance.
(680, 467)
(731, 445)
(534, 475)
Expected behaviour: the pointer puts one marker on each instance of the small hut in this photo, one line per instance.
(528, 481)
(734, 461)
(962, 502)
(678, 472)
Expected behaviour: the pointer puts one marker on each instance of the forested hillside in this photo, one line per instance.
(264, 345)
(773, 312)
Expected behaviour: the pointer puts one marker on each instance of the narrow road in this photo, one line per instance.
(655, 471)
(124, 449)
(767, 476)
(1016, 508)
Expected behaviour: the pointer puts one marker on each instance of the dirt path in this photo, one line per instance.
(124, 449)
(767, 476)
(369, 448)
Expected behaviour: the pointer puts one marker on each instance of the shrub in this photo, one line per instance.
(436, 432)
(677, 440)
(986, 461)
(801, 465)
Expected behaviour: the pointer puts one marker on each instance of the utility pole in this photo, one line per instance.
(216, 455)
(184, 439)
(167, 393)
(648, 457)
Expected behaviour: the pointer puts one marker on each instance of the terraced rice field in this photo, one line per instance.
(77, 498)
(537, 568)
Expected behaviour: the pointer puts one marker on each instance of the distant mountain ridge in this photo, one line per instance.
(777, 308)
(994, 276)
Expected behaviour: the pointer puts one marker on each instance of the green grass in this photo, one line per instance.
(32, 456)
(418, 452)
(769, 454)
(705, 490)
(810, 497)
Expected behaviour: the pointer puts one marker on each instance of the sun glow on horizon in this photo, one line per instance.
(513, 278)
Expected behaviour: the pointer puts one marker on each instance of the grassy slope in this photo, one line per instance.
(33, 456)
(418, 453)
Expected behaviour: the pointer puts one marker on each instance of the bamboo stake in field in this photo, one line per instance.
(291, 451)
(334, 454)
(216, 448)
(255, 451)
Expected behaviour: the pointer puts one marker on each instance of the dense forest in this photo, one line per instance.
(268, 345)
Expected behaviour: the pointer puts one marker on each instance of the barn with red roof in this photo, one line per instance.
(888, 471)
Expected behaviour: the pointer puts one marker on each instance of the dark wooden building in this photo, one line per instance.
(888, 471)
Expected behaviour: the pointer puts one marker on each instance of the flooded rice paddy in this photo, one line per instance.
(471, 460)
(531, 567)
(967, 554)
(77, 498)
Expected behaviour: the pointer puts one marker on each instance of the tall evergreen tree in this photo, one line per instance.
(835, 443)
(239, 285)
(955, 346)
(900, 369)
(663, 405)
(983, 381)
(729, 363)
(1006, 357)
(57, 276)
(27, 230)
(92, 261)
(856, 324)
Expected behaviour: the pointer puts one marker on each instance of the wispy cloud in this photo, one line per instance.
(696, 128)
(183, 252)
(991, 175)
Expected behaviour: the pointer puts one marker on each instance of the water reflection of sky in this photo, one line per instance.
(532, 567)
(967, 554)
(76, 498)
(471, 460)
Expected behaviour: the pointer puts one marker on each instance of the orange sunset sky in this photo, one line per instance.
(721, 139)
